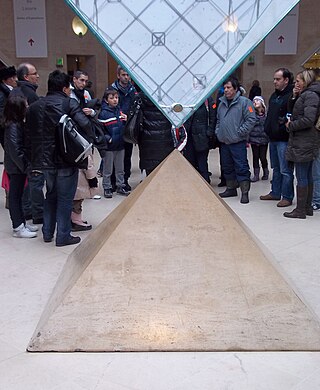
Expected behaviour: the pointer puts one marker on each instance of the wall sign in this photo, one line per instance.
(30, 28)
(284, 37)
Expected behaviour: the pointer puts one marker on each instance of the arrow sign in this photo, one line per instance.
(281, 38)
(31, 41)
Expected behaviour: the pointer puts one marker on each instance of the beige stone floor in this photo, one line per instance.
(29, 270)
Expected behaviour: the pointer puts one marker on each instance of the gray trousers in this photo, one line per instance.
(113, 158)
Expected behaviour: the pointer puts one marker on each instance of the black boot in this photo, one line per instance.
(265, 175)
(245, 187)
(309, 209)
(300, 210)
(231, 189)
(255, 177)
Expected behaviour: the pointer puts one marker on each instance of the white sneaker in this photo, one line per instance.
(22, 232)
(31, 228)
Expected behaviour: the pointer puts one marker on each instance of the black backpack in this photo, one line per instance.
(72, 146)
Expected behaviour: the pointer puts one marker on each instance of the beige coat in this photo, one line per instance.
(83, 189)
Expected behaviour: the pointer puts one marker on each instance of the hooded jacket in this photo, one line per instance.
(303, 144)
(236, 120)
(113, 124)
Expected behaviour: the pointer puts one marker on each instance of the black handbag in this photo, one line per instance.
(133, 124)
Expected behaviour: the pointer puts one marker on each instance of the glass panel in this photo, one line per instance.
(179, 51)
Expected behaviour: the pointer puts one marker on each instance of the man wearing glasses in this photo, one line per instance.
(33, 198)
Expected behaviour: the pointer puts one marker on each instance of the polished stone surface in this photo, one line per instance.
(29, 271)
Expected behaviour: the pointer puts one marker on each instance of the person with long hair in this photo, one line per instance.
(303, 144)
(16, 163)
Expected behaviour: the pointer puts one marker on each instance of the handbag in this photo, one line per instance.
(133, 124)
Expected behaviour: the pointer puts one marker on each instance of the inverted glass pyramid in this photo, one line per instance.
(179, 51)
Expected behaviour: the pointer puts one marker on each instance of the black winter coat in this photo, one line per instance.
(4, 93)
(155, 140)
(15, 161)
(303, 145)
(200, 126)
(275, 122)
(27, 90)
(42, 119)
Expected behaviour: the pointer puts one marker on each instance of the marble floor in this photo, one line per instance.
(29, 270)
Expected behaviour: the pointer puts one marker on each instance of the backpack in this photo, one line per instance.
(73, 147)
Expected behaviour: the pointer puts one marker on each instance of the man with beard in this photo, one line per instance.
(126, 93)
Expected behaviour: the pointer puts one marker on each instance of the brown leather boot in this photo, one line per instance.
(300, 210)
(309, 209)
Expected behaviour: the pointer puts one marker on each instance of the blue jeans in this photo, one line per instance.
(304, 173)
(17, 182)
(61, 185)
(316, 180)
(282, 178)
(36, 184)
(234, 161)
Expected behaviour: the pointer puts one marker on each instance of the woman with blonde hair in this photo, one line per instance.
(304, 139)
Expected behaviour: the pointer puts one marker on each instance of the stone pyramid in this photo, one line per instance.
(172, 268)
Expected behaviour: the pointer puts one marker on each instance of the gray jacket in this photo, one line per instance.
(234, 122)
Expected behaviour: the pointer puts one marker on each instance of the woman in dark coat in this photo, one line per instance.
(303, 144)
(200, 129)
(155, 138)
(15, 163)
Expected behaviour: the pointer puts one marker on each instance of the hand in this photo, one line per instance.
(296, 91)
(87, 111)
(287, 123)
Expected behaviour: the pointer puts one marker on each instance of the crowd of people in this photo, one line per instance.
(43, 189)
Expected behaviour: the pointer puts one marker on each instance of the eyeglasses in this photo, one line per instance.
(32, 74)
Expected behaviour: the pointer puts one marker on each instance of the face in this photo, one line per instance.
(229, 91)
(32, 75)
(81, 82)
(257, 103)
(299, 83)
(113, 100)
(12, 81)
(67, 90)
(123, 78)
(279, 81)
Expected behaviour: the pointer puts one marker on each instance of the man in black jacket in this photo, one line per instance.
(282, 179)
(61, 178)
(28, 79)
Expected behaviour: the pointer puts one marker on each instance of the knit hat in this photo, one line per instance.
(260, 98)
(7, 72)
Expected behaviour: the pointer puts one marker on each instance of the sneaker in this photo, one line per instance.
(107, 193)
(96, 197)
(99, 173)
(127, 186)
(122, 191)
(22, 232)
(70, 241)
(315, 206)
(80, 228)
(31, 228)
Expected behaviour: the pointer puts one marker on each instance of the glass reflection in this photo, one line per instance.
(180, 51)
